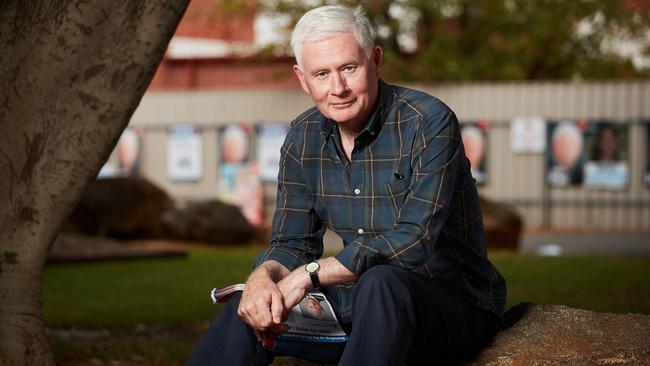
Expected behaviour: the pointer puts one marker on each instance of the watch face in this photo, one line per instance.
(312, 267)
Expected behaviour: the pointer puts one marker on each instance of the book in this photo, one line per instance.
(314, 332)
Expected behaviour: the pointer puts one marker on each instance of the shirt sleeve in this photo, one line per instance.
(297, 232)
(436, 159)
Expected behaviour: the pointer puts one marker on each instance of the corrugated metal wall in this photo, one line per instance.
(517, 179)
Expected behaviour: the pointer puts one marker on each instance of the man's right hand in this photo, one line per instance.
(262, 305)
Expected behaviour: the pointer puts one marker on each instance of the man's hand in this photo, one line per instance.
(262, 304)
(294, 287)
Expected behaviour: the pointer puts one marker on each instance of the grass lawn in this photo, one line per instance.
(167, 300)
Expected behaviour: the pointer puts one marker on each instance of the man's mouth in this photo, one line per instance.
(341, 105)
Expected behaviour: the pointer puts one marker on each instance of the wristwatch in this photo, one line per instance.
(313, 268)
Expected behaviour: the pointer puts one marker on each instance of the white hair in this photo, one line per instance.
(322, 22)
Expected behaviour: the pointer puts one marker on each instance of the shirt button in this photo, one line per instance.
(357, 191)
(360, 231)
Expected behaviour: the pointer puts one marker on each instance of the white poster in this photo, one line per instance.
(269, 142)
(184, 153)
(528, 135)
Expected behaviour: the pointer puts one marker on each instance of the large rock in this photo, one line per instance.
(210, 222)
(122, 208)
(559, 335)
(503, 226)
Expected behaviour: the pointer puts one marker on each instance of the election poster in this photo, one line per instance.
(238, 174)
(565, 153)
(270, 137)
(184, 150)
(528, 135)
(474, 136)
(607, 155)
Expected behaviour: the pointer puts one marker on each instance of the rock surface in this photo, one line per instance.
(503, 226)
(209, 222)
(122, 208)
(554, 335)
(559, 335)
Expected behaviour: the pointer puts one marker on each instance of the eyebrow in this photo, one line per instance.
(344, 64)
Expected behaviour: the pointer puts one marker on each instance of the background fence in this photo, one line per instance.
(514, 178)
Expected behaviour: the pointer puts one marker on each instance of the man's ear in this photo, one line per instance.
(377, 55)
(301, 77)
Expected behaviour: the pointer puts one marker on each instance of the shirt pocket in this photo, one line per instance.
(396, 194)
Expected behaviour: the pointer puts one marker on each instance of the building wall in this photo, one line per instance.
(517, 179)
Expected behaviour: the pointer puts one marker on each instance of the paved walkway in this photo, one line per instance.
(576, 244)
(597, 244)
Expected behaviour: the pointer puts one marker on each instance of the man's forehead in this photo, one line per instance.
(338, 47)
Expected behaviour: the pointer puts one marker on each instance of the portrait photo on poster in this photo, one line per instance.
(565, 153)
(313, 308)
(238, 177)
(606, 146)
(475, 141)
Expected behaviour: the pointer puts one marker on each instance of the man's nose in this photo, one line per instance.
(339, 85)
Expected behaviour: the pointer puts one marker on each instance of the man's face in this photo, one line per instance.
(341, 80)
(314, 307)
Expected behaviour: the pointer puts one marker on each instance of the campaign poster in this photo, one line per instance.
(270, 137)
(528, 135)
(474, 135)
(125, 159)
(646, 177)
(128, 151)
(184, 153)
(607, 155)
(238, 174)
(565, 153)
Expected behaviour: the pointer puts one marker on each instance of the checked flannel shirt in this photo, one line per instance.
(407, 197)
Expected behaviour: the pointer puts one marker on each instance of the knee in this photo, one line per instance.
(382, 279)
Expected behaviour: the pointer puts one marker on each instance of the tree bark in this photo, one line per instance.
(71, 74)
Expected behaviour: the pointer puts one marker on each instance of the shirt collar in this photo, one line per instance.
(374, 122)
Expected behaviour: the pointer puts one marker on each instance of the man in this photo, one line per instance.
(384, 168)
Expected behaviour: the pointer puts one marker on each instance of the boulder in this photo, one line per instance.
(559, 335)
(121, 208)
(502, 224)
(210, 222)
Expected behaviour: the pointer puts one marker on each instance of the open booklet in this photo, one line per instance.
(314, 332)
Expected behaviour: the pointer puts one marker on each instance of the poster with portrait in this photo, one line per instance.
(128, 151)
(565, 153)
(238, 175)
(528, 135)
(474, 135)
(270, 137)
(125, 159)
(606, 147)
(184, 153)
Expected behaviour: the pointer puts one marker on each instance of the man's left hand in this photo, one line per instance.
(294, 287)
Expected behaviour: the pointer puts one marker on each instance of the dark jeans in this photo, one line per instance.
(398, 316)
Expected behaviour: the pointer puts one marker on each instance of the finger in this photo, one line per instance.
(258, 335)
(262, 315)
(277, 307)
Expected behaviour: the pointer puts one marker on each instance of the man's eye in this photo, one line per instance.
(350, 68)
(321, 75)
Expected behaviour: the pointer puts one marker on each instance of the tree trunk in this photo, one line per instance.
(71, 74)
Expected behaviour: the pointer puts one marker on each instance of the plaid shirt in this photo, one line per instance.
(407, 197)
